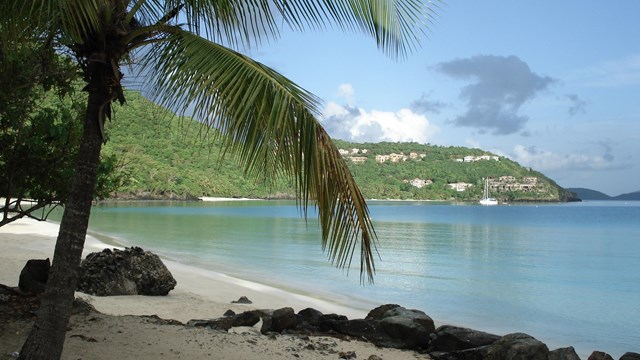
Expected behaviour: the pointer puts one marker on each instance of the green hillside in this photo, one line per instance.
(167, 157)
(588, 194)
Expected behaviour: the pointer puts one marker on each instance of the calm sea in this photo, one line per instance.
(568, 274)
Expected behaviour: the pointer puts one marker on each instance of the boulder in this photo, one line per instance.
(242, 300)
(222, 324)
(567, 353)
(309, 321)
(630, 356)
(310, 315)
(599, 355)
(388, 326)
(517, 346)
(448, 338)
(470, 354)
(131, 271)
(367, 330)
(378, 313)
(408, 332)
(34, 276)
(279, 321)
(407, 329)
(247, 318)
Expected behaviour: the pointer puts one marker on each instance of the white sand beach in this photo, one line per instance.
(199, 294)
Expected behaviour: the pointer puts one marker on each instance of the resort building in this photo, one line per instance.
(418, 182)
(358, 159)
(460, 186)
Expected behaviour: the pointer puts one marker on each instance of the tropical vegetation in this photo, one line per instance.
(164, 156)
(40, 130)
(187, 52)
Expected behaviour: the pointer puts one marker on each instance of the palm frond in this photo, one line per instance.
(72, 19)
(397, 25)
(270, 124)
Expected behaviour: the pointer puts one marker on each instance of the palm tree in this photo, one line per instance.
(191, 60)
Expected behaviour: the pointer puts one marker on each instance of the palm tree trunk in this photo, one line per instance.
(46, 339)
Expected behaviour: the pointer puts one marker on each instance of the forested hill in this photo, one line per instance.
(162, 156)
(588, 194)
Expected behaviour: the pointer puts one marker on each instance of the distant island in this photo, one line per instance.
(165, 156)
(589, 194)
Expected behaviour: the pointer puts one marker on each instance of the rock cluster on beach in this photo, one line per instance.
(134, 271)
(393, 326)
(131, 271)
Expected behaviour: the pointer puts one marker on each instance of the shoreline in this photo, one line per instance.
(199, 294)
(209, 293)
(120, 330)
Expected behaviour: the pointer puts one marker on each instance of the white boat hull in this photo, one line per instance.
(489, 201)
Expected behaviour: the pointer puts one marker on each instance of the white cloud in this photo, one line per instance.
(346, 92)
(543, 160)
(358, 125)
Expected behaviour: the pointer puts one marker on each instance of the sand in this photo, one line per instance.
(120, 332)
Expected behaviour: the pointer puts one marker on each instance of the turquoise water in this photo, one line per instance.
(568, 274)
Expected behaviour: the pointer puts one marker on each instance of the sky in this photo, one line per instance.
(553, 85)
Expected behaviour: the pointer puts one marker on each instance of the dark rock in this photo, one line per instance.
(309, 321)
(378, 313)
(630, 356)
(567, 353)
(347, 355)
(279, 320)
(310, 315)
(229, 313)
(396, 327)
(517, 346)
(449, 338)
(368, 330)
(155, 319)
(325, 323)
(599, 355)
(406, 333)
(80, 306)
(131, 271)
(470, 354)
(510, 347)
(247, 318)
(242, 300)
(406, 329)
(222, 324)
(34, 276)
(374, 357)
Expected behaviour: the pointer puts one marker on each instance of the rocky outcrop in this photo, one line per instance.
(567, 353)
(247, 318)
(387, 326)
(599, 355)
(630, 356)
(242, 300)
(34, 276)
(279, 321)
(517, 346)
(132, 271)
(449, 338)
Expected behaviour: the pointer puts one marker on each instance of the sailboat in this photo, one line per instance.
(486, 200)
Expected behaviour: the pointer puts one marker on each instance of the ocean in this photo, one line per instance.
(567, 274)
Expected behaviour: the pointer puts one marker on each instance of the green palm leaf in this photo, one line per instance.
(269, 122)
(262, 117)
